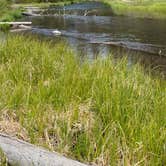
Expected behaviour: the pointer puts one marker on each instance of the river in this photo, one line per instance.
(92, 30)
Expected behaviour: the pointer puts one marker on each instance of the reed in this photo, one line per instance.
(100, 112)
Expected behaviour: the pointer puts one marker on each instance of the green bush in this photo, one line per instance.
(11, 15)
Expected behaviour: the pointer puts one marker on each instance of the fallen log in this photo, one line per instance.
(25, 27)
(22, 153)
(18, 30)
(15, 23)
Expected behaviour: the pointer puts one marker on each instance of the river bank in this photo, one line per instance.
(143, 9)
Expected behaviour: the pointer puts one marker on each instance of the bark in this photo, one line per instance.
(22, 153)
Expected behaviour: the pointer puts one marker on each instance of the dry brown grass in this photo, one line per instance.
(9, 126)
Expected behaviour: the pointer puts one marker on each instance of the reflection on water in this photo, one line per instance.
(143, 34)
(143, 40)
(124, 28)
(85, 8)
(92, 51)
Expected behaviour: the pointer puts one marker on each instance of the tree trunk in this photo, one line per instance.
(24, 154)
(16, 23)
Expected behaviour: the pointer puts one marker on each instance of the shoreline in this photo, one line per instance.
(153, 10)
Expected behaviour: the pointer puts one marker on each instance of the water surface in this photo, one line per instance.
(92, 30)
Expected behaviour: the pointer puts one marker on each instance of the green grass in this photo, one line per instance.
(98, 112)
(8, 14)
(2, 159)
(11, 15)
(142, 9)
(3, 7)
(46, 5)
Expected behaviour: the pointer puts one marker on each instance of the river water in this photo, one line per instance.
(92, 30)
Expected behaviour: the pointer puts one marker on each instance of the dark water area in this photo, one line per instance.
(84, 8)
(92, 30)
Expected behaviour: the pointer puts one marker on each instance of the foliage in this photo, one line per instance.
(9, 16)
(100, 112)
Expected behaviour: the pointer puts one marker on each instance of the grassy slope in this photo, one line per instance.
(100, 112)
(145, 9)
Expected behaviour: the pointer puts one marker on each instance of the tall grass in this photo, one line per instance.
(99, 112)
(3, 6)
